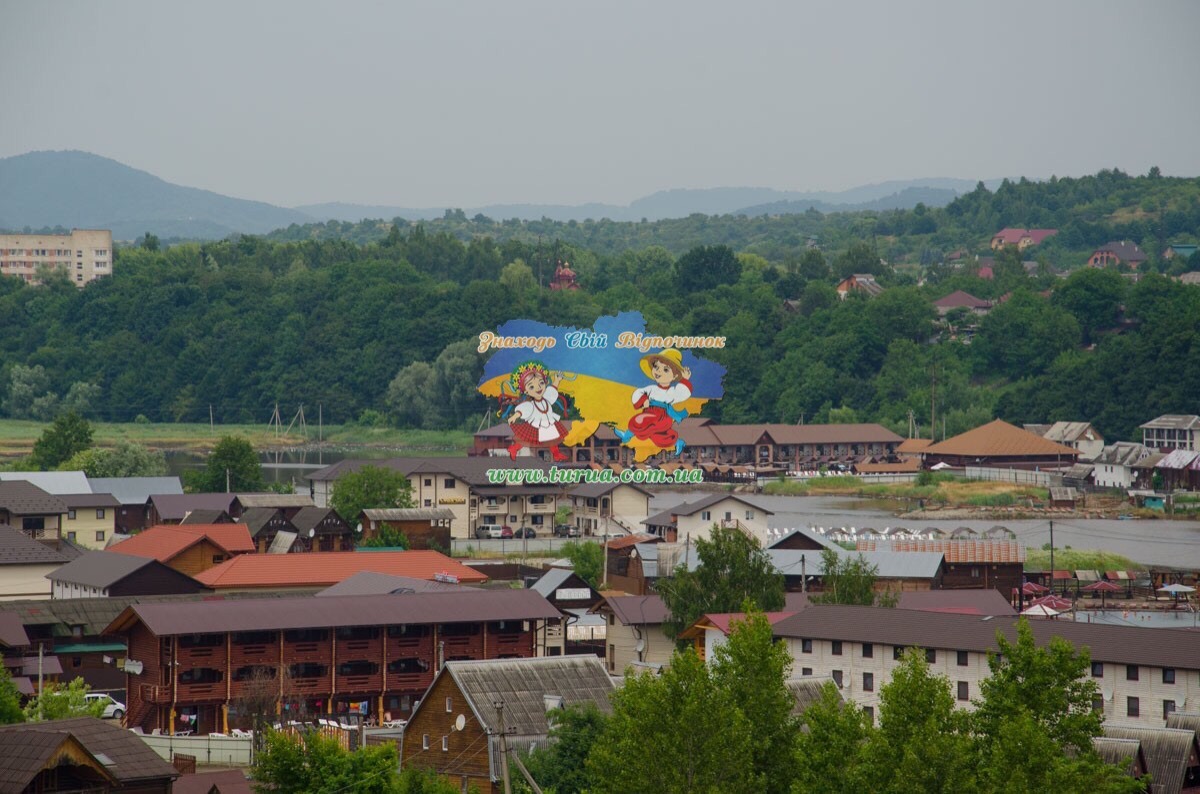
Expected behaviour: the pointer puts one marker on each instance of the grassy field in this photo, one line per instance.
(1068, 559)
(944, 490)
(17, 437)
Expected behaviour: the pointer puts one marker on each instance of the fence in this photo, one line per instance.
(1020, 476)
(220, 750)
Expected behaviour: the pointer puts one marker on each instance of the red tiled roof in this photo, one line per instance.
(959, 298)
(954, 551)
(1000, 439)
(166, 542)
(631, 540)
(322, 569)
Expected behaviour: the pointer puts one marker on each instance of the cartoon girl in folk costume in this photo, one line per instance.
(535, 417)
(657, 402)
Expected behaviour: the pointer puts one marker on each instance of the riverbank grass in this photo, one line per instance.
(937, 488)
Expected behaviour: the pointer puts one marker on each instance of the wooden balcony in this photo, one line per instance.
(201, 656)
(319, 652)
(359, 684)
(188, 693)
(255, 653)
(409, 682)
(157, 695)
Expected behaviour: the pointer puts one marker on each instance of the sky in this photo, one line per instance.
(428, 104)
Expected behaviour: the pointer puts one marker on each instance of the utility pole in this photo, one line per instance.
(499, 704)
(211, 424)
(41, 648)
(933, 403)
(803, 575)
(1052, 555)
(320, 422)
(226, 479)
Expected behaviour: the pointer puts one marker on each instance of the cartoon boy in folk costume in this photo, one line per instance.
(536, 419)
(657, 403)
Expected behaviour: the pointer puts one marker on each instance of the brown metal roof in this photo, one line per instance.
(638, 610)
(17, 548)
(954, 551)
(76, 500)
(12, 631)
(276, 500)
(100, 568)
(204, 617)
(25, 499)
(1179, 648)
(132, 759)
(1000, 439)
(174, 507)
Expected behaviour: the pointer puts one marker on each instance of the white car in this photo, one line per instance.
(113, 709)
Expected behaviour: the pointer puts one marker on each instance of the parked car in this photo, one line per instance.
(491, 531)
(113, 709)
(566, 531)
(506, 532)
(525, 532)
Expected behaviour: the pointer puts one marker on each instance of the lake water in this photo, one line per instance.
(1171, 543)
(288, 465)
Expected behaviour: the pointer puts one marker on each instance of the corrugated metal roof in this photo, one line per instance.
(52, 482)
(1177, 459)
(807, 691)
(1126, 753)
(265, 614)
(1179, 648)
(1065, 432)
(1166, 751)
(324, 568)
(135, 490)
(1173, 422)
(638, 610)
(409, 514)
(173, 507)
(276, 500)
(77, 500)
(167, 541)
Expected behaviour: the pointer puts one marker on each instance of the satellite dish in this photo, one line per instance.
(312, 532)
(460, 722)
(358, 527)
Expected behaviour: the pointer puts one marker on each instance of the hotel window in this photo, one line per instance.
(1132, 707)
(897, 652)
(1097, 669)
(805, 646)
(449, 705)
(837, 678)
(868, 651)
(1168, 675)
(428, 482)
(448, 482)
(1168, 708)
(962, 658)
(706, 515)
(964, 690)
(805, 671)
(424, 741)
(868, 682)
(837, 647)
(70, 515)
(930, 655)
(1131, 672)
(100, 513)
(100, 534)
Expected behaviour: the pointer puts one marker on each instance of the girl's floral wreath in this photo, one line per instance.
(512, 391)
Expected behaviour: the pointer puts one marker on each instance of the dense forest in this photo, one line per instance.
(380, 330)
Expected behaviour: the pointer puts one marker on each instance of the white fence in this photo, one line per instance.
(221, 750)
(1042, 478)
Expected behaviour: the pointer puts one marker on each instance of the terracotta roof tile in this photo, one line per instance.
(954, 551)
(165, 542)
(322, 569)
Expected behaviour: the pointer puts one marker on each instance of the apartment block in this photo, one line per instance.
(84, 255)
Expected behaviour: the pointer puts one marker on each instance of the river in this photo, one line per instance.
(1162, 542)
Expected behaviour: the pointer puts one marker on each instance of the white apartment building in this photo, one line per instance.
(1113, 467)
(1143, 674)
(84, 255)
(1172, 431)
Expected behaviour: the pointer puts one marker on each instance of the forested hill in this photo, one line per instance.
(1089, 211)
(386, 332)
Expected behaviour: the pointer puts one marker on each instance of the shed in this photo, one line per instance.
(1063, 497)
(1167, 752)
(423, 527)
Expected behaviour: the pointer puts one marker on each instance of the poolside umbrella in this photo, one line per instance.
(1176, 589)
(1040, 611)
(1052, 602)
(1103, 587)
(1033, 588)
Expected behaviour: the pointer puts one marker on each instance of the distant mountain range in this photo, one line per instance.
(82, 190)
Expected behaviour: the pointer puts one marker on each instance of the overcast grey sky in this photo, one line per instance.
(468, 103)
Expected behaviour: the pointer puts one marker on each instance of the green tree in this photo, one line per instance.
(69, 435)
(706, 267)
(26, 386)
(860, 257)
(60, 701)
(817, 295)
(149, 242)
(561, 767)
(922, 743)
(850, 579)
(677, 733)
(81, 398)
(587, 559)
(127, 459)
(751, 666)
(812, 266)
(387, 537)
(10, 699)
(733, 570)
(829, 750)
(369, 487)
(1093, 296)
(313, 763)
(232, 465)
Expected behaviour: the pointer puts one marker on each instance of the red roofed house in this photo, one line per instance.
(189, 548)
(858, 282)
(1117, 254)
(321, 569)
(1021, 238)
(1000, 445)
(961, 300)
